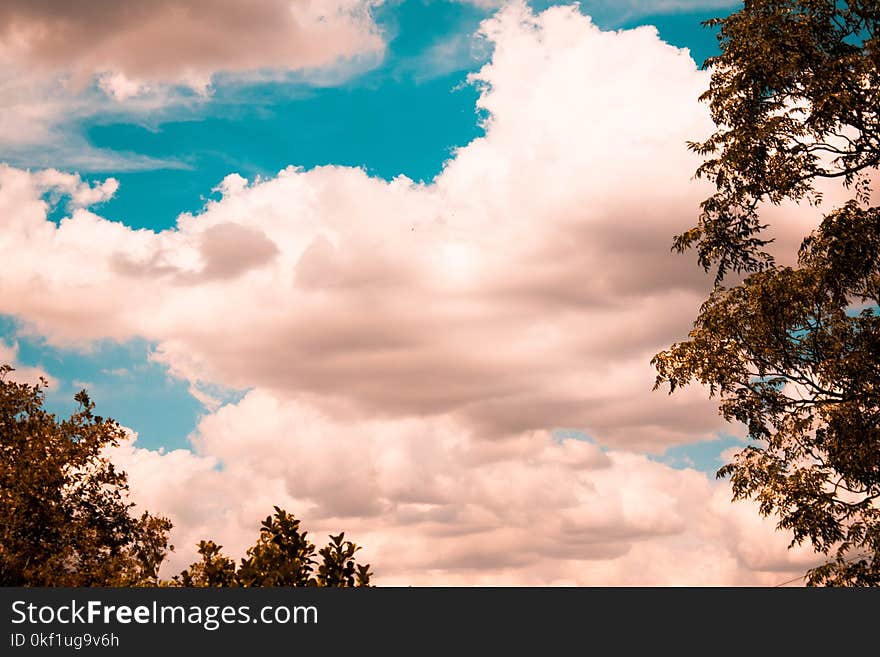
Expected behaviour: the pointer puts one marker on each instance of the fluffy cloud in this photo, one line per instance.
(662, 6)
(80, 193)
(63, 61)
(432, 504)
(411, 347)
(526, 288)
(181, 41)
(20, 373)
(621, 10)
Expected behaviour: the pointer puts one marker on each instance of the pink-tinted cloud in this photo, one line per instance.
(411, 347)
(20, 373)
(526, 288)
(129, 44)
(433, 504)
(63, 61)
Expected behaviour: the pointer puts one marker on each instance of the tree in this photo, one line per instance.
(282, 556)
(795, 96)
(338, 568)
(793, 352)
(64, 515)
(214, 570)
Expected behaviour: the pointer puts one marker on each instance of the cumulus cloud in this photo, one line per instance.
(432, 504)
(129, 44)
(526, 288)
(81, 194)
(663, 6)
(39, 110)
(410, 348)
(626, 9)
(64, 61)
(22, 373)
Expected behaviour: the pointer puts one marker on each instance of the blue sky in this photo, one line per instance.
(404, 116)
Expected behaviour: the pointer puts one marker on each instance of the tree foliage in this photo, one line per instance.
(793, 352)
(64, 515)
(65, 518)
(795, 96)
(214, 570)
(282, 556)
(792, 360)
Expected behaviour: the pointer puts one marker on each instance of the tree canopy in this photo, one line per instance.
(795, 97)
(793, 352)
(282, 556)
(65, 519)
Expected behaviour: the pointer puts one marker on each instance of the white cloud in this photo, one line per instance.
(81, 194)
(118, 86)
(128, 44)
(622, 10)
(410, 347)
(663, 6)
(21, 373)
(66, 61)
(432, 504)
(39, 110)
(526, 288)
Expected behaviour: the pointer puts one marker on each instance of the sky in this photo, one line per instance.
(398, 267)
